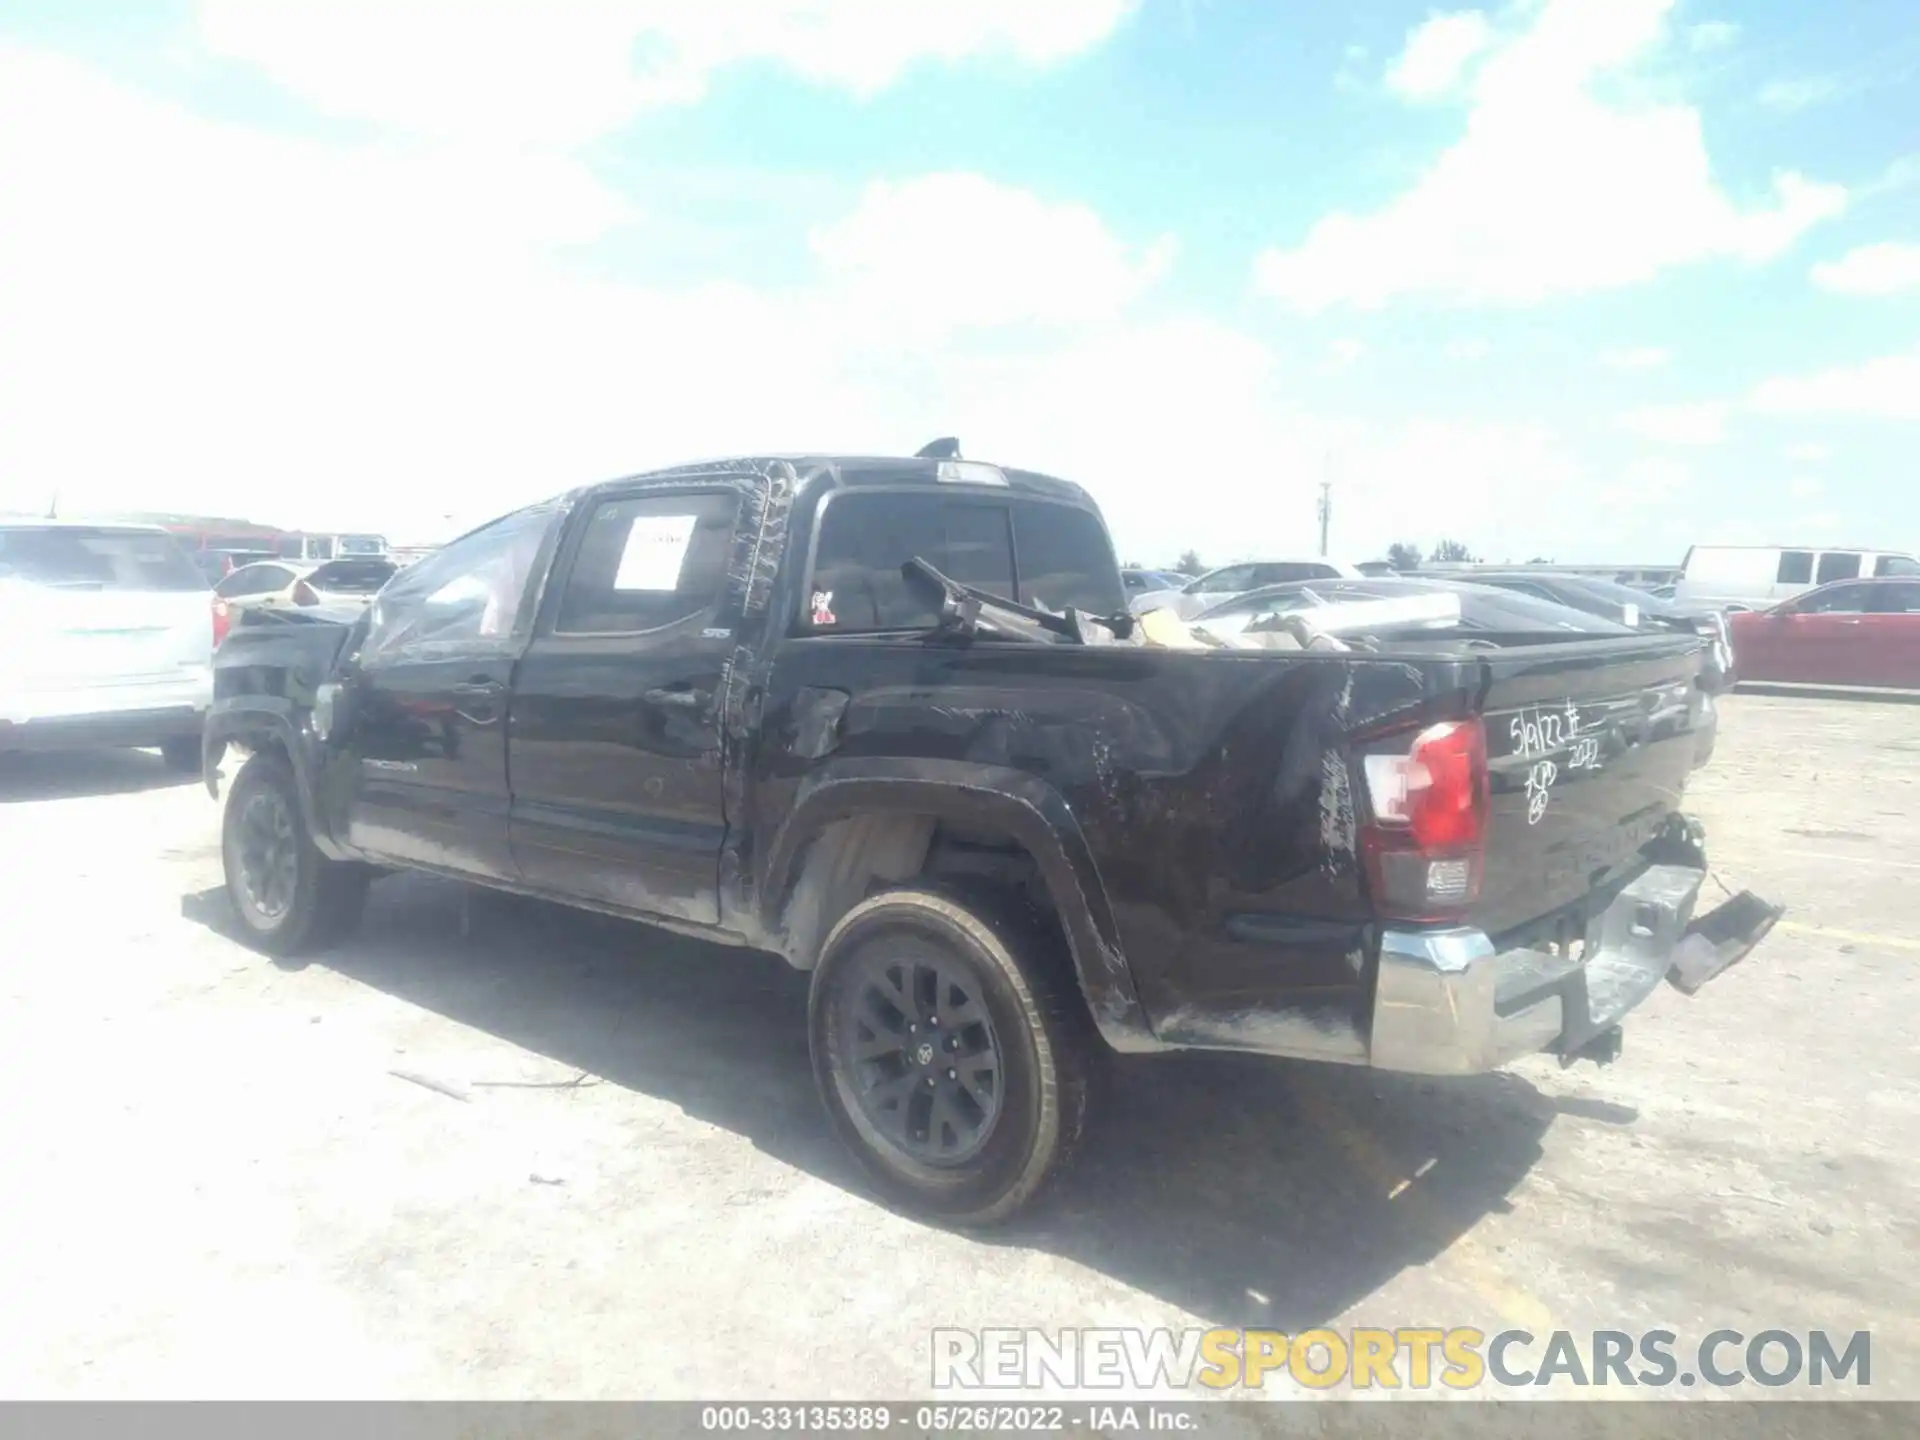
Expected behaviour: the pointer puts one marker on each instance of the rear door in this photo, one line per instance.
(101, 618)
(616, 744)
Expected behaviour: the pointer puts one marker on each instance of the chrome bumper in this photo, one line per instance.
(1448, 1003)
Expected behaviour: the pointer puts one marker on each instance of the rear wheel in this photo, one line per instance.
(286, 895)
(952, 1050)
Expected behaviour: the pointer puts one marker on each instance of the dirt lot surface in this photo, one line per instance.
(217, 1185)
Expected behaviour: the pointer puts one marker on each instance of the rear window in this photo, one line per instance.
(1064, 560)
(1280, 572)
(89, 558)
(352, 577)
(1032, 551)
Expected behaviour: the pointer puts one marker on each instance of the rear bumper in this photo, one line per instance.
(1447, 1002)
(104, 730)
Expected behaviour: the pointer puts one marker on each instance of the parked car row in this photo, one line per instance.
(1188, 598)
(1835, 616)
(1502, 614)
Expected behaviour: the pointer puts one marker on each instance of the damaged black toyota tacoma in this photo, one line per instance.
(889, 719)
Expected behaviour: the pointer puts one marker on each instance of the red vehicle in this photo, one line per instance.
(1852, 632)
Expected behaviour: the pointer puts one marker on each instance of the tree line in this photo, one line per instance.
(1402, 555)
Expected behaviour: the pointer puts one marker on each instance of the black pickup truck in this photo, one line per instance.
(889, 719)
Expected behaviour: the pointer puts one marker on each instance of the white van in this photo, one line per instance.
(1758, 577)
(106, 639)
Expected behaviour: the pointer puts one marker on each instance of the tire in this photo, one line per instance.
(1010, 1003)
(182, 753)
(307, 901)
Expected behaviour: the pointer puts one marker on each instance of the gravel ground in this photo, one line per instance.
(218, 1185)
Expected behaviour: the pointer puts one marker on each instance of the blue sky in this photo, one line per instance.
(1591, 279)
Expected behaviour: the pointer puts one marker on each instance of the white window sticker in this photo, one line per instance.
(656, 549)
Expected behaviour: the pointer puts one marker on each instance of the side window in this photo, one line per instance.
(864, 539)
(470, 592)
(648, 562)
(1796, 567)
(1837, 565)
(1524, 588)
(1896, 565)
(1841, 600)
(1225, 582)
(1896, 599)
(247, 580)
(1065, 559)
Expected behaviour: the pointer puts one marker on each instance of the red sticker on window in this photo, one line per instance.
(823, 607)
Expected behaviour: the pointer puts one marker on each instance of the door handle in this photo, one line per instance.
(472, 688)
(680, 699)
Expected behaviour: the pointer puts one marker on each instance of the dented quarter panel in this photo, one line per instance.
(1201, 800)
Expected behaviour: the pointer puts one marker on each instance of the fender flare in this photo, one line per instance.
(250, 725)
(1027, 809)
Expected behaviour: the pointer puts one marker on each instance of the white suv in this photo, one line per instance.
(108, 636)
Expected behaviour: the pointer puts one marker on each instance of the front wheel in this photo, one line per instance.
(952, 1050)
(286, 895)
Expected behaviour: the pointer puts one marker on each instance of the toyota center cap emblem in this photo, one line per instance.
(924, 1054)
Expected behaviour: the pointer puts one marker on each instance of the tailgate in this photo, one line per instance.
(1588, 749)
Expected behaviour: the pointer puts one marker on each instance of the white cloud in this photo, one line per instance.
(1560, 184)
(1468, 350)
(526, 70)
(1788, 96)
(1887, 388)
(1638, 357)
(383, 335)
(1702, 423)
(955, 252)
(1712, 35)
(1809, 453)
(1805, 487)
(1883, 269)
(1654, 480)
(1343, 355)
(1438, 54)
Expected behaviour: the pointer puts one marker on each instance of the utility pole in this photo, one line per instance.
(1326, 512)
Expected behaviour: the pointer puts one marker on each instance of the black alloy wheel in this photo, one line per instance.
(922, 1049)
(952, 1049)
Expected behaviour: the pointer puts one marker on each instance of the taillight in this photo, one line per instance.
(1425, 843)
(304, 594)
(222, 620)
